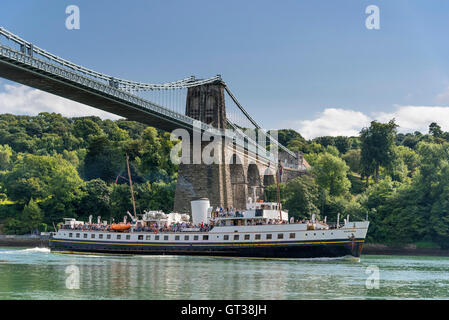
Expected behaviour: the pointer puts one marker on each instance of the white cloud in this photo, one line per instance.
(22, 100)
(417, 118)
(333, 122)
(344, 122)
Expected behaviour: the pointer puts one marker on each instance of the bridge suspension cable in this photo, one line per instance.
(27, 47)
(256, 125)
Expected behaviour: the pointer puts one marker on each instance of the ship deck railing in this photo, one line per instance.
(140, 231)
(188, 230)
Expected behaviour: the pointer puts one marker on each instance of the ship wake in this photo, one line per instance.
(27, 251)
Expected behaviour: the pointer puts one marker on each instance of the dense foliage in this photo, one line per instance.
(53, 167)
(407, 199)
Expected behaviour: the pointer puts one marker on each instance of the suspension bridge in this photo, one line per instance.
(191, 104)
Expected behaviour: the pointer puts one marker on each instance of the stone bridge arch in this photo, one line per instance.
(269, 177)
(255, 186)
(238, 182)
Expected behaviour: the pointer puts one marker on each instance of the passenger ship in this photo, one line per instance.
(263, 230)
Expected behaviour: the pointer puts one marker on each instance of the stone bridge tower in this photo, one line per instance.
(205, 103)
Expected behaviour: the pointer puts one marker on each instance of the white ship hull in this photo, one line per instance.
(261, 241)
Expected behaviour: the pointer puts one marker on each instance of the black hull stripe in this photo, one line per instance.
(252, 244)
(310, 250)
(209, 256)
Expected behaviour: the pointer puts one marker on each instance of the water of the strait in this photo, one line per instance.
(39, 274)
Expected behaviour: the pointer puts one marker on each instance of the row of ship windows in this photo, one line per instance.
(187, 237)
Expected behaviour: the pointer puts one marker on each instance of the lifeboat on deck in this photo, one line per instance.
(120, 227)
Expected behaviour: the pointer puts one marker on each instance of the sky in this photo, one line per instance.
(312, 66)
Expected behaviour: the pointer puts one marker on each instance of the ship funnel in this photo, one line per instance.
(200, 211)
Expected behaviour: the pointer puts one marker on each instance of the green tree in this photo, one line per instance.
(344, 206)
(151, 159)
(271, 193)
(87, 129)
(409, 157)
(120, 201)
(72, 157)
(49, 144)
(5, 157)
(325, 141)
(25, 221)
(332, 150)
(411, 140)
(52, 181)
(331, 174)
(13, 226)
(299, 196)
(104, 160)
(302, 197)
(435, 130)
(352, 159)
(155, 196)
(97, 199)
(32, 217)
(377, 147)
(287, 135)
(114, 132)
(296, 145)
(342, 144)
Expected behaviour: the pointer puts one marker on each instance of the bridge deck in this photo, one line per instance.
(74, 91)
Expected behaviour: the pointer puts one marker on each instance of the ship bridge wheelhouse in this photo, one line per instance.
(263, 206)
(256, 213)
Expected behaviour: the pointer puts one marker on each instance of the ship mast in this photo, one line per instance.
(131, 186)
(278, 191)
